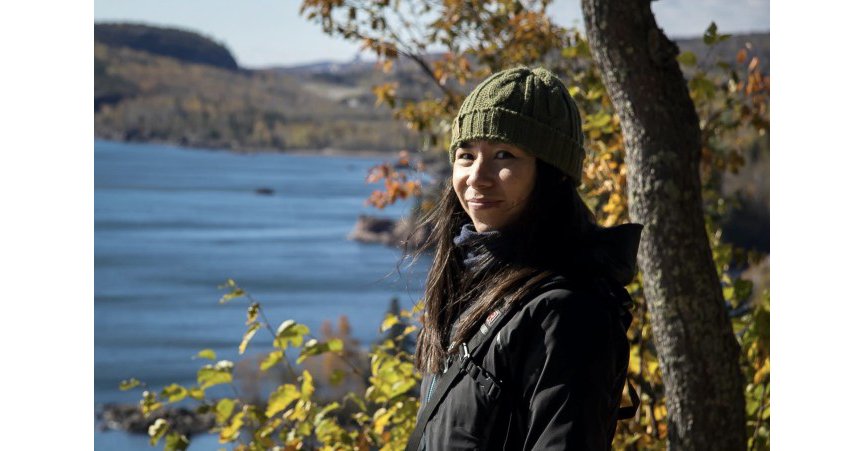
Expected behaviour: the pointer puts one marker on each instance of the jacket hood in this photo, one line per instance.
(615, 250)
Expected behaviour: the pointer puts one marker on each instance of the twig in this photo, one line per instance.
(269, 327)
(288, 367)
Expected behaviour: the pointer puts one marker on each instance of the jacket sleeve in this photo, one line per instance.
(565, 372)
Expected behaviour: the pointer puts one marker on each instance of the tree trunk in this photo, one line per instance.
(695, 344)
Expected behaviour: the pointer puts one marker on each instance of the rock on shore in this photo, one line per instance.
(127, 417)
(373, 229)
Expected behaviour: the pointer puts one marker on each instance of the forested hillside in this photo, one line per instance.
(181, 44)
(144, 97)
(168, 85)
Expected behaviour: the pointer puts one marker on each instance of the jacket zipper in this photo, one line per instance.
(431, 387)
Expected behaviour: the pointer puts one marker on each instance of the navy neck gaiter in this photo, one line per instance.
(481, 251)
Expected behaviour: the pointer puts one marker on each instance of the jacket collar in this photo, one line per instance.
(615, 250)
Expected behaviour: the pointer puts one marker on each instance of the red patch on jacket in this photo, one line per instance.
(492, 316)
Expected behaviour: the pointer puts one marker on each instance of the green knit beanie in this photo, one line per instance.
(529, 108)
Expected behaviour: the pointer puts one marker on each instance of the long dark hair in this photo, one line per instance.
(549, 238)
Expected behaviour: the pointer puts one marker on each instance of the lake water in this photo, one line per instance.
(172, 224)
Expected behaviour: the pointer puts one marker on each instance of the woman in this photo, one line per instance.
(524, 340)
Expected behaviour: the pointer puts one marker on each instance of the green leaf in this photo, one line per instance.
(290, 332)
(220, 373)
(281, 398)
(174, 393)
(224, 409)
(157, 430)
(176, 442)
(389, 321)
(687, 58)
(313, 347)
(336, 377)
(710, 35)
(208, 354)
(248, 336)
(271, 359)
(702, 86)
(129, 384)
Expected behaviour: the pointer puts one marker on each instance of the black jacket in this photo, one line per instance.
(561, 360)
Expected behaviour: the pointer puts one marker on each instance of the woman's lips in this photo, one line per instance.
(480, 204)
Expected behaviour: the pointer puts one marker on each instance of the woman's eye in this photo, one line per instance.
(464, 156)
(503, 154)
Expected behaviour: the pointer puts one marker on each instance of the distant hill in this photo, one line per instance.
(180, 44)
(168, 85)
(151, 98)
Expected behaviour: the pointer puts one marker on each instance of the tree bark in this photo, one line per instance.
(695, 344)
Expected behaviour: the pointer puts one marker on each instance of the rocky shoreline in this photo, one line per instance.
(390, 232)
(128, 418)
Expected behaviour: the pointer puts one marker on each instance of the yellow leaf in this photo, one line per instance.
(389, 321)
(157, 430)
(281, 398)
(224, 409)
(271, 359)
(230, 432)
(220, 373)
(129, 384)
(381, 418)
(174, 393)
(290, 332)
(248, 336)
(763, 372)
(206, 354)
(196, 393)
(306, 389)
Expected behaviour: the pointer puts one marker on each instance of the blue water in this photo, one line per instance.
(171, 224)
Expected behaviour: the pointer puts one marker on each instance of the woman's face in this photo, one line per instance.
(493, 182)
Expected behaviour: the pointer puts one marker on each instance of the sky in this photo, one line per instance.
(262, 33)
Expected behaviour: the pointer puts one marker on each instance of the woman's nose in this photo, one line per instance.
(482, 174)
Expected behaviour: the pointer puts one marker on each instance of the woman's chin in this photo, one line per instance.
(485, 226)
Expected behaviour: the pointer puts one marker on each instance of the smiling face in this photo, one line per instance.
(493, 182)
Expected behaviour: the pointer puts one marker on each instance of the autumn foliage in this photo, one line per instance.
(455, 45)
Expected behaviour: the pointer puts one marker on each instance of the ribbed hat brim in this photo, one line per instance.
(499, 124)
